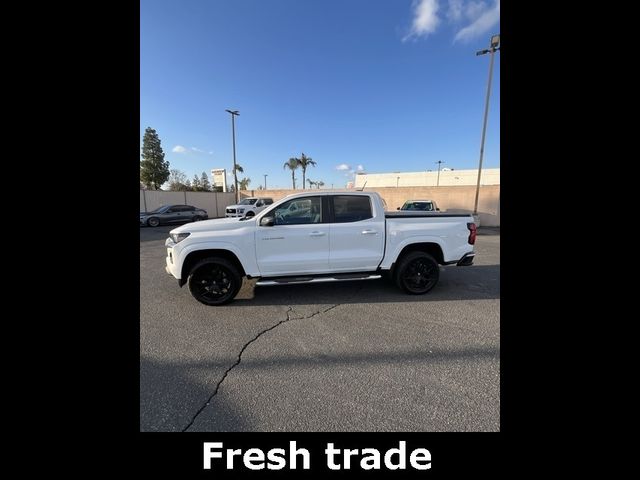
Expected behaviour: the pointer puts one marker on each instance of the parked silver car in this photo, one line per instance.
(172, 214)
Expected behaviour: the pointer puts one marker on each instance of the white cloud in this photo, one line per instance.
(210, 153)
(425, 18)
(179, 149)
(454, 13)
(480, 16)
(483, 18)
(343, 166)
(195, 149)
(360, 168)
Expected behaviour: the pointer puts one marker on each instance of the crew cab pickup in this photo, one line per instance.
(326, 237)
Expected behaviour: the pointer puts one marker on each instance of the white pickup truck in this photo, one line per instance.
(248, 207)
(326, 237)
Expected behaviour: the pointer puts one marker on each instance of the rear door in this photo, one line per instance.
(357, 234)
(298, 242)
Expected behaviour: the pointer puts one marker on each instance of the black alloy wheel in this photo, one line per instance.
(214, 281)
(417, 273)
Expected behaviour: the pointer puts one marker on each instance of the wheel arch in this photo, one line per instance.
(195, 256)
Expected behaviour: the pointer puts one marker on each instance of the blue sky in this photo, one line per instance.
(387, 85)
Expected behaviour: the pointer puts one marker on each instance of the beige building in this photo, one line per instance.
(448, 177)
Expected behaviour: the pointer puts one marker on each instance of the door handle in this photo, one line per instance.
(316, 234)
(369, 232)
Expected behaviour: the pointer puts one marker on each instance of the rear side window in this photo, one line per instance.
(268, 201)
(351, 208)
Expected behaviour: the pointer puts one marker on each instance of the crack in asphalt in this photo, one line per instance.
(244, 347)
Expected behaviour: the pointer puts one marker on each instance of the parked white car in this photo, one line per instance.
(327, 236)
(248, 207)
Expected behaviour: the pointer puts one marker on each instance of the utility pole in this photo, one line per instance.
(233, 133)
(439, 162)
(265, 181)
(495, 46)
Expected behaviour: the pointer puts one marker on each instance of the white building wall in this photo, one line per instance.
(490, 176)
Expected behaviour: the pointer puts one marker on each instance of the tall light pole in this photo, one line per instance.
(265, 181)
(233, 133)
(439, 162)
(494, 47)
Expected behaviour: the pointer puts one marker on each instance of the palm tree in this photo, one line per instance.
(319, 184)
(292, 165)
(244, 184)
(304, 162)
(311, 182)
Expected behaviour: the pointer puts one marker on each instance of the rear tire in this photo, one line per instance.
(417, 273)
(197, 218)
(214, 281)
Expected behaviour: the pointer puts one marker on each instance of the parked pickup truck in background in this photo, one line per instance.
(328, 236)
(248, 207)
(422, 205)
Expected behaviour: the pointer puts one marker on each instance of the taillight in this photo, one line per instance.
(472, 233)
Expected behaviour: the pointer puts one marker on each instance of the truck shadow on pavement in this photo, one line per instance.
(170, 397)
(478, 282)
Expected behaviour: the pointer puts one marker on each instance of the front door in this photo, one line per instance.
(297, 243)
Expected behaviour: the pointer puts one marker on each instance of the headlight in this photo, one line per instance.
(241, 210)
(178, 237)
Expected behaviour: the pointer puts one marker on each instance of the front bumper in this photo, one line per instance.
(234, 215)
(170, 267)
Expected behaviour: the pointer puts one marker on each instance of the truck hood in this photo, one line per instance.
(215, 225)
(239, 206)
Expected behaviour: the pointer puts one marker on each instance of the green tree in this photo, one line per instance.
(154, 170)
(311, 182)
(195, 184)
(305, 162)
(319, 184)
(292, 164)
(204, 182)
(244, 184)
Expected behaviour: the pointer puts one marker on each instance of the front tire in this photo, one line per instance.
(250, 214)
(214, 281)
(153, 222)
(417, 273)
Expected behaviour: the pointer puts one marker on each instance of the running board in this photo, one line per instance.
(333, 278)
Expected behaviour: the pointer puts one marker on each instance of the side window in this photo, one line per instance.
(299, 211)
(182, 208)
(351, 208)
(171, 210)
(259, 203)
(268, 201)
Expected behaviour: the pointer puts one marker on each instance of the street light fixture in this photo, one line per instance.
(233, 133)
(439, 162)
(494, 47)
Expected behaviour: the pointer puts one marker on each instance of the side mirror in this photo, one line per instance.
(266, 222)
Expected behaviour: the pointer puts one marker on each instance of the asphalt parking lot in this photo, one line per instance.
(344, 356)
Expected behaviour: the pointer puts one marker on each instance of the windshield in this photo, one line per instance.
(425, 206)
(160, 209)
(248, 201)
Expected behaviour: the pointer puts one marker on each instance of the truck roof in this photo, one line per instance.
(305, 193)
